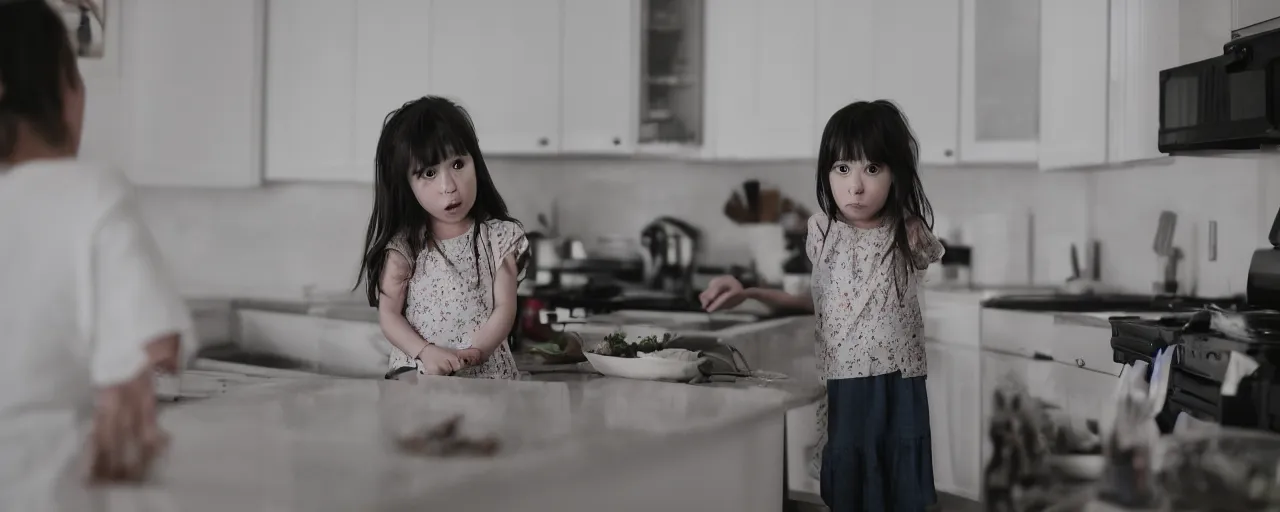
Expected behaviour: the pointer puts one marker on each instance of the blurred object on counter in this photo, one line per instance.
(671, 247)
(770, 205)
(1167, 256)
(561, 348)
(736, 209)
(768, 251)
(1035, 450)
(1132, 435)
(1226, 469)
(757, 204)
(797, 269)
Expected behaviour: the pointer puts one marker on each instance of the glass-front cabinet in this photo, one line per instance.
(671, 74)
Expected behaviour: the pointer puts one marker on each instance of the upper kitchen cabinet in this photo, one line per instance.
(501, 60)
(1074, 82)
(600, 81)
(1144, 41)
(311, 83)
(916, 64)
(192, 83)
(761, 72)
(1246, 13)
(1000, 81)
(841, 74)
(391, 41)
(671, 75)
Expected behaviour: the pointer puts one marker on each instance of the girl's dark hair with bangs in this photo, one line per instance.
(420, 134)
(877, 132)
(36, 65)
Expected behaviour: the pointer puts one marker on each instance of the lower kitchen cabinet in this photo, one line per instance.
(954, 420)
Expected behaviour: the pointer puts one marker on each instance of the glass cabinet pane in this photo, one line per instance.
(671, 86)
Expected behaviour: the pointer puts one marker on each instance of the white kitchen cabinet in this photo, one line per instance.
(391, 38)
(761, 67)
(1144, 41)
(311, 91)
(954, 385)
(600, 76)
(501, 60)
(841, 77)
(999, 81)
(192, 81)
(1252, 12)
(1074, 55)
(916, 64)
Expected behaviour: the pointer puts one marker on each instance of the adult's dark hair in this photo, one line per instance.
(36, 64)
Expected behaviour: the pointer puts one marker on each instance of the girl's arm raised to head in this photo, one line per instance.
(494, 331)
(393, 287)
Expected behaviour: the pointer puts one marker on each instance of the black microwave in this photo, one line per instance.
(1231, 101)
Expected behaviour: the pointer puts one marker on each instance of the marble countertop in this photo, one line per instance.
(326, 443)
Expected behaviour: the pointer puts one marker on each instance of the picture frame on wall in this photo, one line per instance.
(93, 27)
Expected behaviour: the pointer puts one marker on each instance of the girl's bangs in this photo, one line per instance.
(432, 141)
(852, 141)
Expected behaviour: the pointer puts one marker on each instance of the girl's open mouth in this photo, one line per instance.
(453, 206)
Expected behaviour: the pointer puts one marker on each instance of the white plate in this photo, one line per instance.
(645, 368)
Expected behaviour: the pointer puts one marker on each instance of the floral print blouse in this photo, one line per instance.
(868, 324)
(448, 299)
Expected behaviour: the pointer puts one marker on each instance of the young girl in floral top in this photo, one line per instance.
(442, 255)
(869, 249)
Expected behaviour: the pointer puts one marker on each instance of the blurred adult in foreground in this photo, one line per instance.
(88, 315)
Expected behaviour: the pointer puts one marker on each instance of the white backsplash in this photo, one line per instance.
(278, 240)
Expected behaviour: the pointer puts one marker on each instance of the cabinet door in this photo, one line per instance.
(600, 76)
(500, 59)
(391, 39)
(1073, 83)
(999, 81)
(194, 85)
(310, 114)
(842, 59)
(761, 67)
(920, 71)
(1144, 40)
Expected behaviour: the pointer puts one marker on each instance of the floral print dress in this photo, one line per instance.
(449, 299)
(866, 324)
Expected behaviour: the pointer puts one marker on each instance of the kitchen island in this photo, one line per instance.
(326, 443)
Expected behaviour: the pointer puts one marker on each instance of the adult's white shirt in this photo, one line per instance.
(82, 291)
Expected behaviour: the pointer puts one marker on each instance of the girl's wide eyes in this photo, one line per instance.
(458, 164)
(842, 169)
(873, 169)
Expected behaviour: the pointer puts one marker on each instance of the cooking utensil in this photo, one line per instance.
(752, 190)
(1075, 263)
(736, 209)
(1164, 233)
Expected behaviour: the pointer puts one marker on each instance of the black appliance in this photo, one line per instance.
(1202, 353)
(1231, 101)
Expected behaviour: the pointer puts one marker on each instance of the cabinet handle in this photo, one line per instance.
(543, 141)
(947, 153)
(617, 141)
(1080, 362)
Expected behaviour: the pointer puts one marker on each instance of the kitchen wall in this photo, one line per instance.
(278, 240)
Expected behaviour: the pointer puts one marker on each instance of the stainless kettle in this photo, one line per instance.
(671, 249)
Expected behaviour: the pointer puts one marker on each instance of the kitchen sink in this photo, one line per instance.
(235, 354)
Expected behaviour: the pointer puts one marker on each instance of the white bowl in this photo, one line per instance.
(645, 368)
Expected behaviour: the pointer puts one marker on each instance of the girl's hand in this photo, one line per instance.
(723, 292)
(126, 437)
(471, 356)
(437, 360)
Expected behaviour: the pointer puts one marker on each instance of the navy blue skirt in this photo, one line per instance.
(878, 456)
